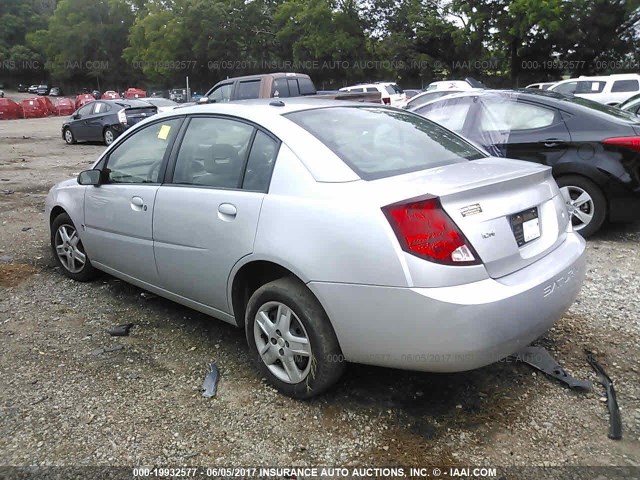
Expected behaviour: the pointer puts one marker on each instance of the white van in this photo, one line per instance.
(390, 92)
(609, 89)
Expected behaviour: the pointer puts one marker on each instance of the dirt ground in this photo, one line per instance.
(67, 400)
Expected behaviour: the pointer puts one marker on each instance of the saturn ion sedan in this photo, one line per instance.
(331, 232)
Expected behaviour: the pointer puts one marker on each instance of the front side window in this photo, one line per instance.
(212, 153)
(375, 142)
(451, 114)
(222, 93)
(588, 86)
(249, 89)
(138, 159)
(280, 88)
(86, 110)
(568, 88)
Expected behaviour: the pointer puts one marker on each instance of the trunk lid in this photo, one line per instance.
(510, 211)
(137, 114)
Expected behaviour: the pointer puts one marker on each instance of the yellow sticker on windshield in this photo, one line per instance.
(163, 134)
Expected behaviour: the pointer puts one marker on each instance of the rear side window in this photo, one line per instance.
(625, 86)
(372, 89)
(248, 90)
(500, 114)
(376, 143)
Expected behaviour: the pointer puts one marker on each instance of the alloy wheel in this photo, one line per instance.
(282, 342)
(69, 249)
(580, 206)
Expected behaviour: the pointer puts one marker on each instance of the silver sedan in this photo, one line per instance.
(331, 232)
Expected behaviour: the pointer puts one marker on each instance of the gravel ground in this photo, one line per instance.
(67, 401)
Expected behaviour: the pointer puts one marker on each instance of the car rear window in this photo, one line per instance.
(377, 142)
(614, 111)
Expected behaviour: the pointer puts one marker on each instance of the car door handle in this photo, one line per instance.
(553, 142)
(227, 211)
(137, 203)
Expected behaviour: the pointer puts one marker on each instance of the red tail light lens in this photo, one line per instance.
(386, 101)
(424, 229)
(632, 143)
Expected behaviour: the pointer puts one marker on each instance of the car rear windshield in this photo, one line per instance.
(378, 142)
(615, 111)
(393, 89)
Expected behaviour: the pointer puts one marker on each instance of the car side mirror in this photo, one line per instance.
(75, 116)
(90, 177)
(206, 100)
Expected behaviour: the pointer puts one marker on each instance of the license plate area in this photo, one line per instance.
(525, 226)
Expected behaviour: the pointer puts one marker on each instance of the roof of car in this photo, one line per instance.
(275, 105)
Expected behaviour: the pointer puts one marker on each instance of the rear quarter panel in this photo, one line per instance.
(325, 231)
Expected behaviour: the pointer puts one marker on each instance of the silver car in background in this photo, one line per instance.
(330, 232)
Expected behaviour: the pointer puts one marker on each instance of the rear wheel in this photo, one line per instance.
(68, 136)
(109, 136)
(291, 339)
(68, 250)
(585, 202)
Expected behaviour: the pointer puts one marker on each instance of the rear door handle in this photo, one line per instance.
(553, 142)
(227, 211)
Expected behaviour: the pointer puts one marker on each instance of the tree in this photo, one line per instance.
(85, 40)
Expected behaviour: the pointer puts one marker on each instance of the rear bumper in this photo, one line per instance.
(454, 328)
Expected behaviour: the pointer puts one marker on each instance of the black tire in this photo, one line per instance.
(597, 207)
(87, 271)
(109, 136)
(325, 363)
(68, 136)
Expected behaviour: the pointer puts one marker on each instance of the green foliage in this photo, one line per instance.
(119, 43)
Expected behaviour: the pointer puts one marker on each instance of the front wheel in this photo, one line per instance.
(585, 202)
(291, 339)
(68, 250)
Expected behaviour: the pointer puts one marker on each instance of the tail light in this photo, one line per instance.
(425, 230)
(122, 117)
(632, 143)
(386, 100)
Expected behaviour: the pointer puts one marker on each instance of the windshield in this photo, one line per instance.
(378, 142)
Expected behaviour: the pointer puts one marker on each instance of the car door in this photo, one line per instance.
(511, 127)
(80, 125)
(118, 213)
(205, 218)
(95, 121)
